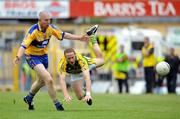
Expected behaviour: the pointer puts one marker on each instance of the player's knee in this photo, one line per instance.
(42, 83)
(49, 81)
(101, 62)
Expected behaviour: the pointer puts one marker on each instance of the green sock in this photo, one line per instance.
(93, 39)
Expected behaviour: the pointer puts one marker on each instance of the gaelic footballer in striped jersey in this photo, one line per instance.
(78, 67)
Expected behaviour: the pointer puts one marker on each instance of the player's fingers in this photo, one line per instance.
(68, 99)
(89, 98)
(86, 99)
(86, 38)
(15, 62)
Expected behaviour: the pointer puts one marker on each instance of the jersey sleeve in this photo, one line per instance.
(83, 63)
(62, 66)
(27, 40)
(57, 32)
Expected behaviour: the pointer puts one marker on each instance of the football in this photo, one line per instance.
(162, 68)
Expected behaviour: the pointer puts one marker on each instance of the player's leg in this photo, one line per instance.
(120, 85)
(32, 62)
(34, 89)
(77, 88)
(44, 75)
(40, 64)
(126, 83)
(36, 86)
(97, 51)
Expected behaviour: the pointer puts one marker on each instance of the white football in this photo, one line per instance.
(162, 68)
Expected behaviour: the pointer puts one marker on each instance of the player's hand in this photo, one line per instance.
(85, 38)
(67, 98)
(16, 60)
(87, 98)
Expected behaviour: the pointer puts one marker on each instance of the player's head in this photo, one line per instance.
(70, 55)
(121, 48)
(171, 51)
(44, 18)
(146, 41)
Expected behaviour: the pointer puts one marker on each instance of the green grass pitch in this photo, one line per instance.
(105, 106)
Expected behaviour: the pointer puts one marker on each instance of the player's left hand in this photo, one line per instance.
(87, 98)
(67, 98)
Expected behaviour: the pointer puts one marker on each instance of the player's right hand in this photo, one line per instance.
(87, 98)
(16, 60)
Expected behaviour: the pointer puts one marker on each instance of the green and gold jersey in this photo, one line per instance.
(80, 65)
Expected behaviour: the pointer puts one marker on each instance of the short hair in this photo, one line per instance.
(121, 46)
(146, 37)
(42, 12)
(69, 50)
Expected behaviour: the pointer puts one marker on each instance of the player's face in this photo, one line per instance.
(171, 50)
(45, 21)
(70, 57)
(121, 48)
(146, 41)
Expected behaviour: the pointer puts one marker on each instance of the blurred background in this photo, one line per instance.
(121, 22)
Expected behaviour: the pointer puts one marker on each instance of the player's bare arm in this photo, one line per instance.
(76, 37)
(88, 85)
(67, 97)
(19, 55)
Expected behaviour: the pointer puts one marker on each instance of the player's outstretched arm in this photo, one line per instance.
(84, 37)
(88, 85)
(76, 37)
(67, 97)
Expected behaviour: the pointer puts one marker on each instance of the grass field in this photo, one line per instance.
(105, 106)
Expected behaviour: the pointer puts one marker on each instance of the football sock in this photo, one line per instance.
(93, 39)
(30, 96)
(57, 104)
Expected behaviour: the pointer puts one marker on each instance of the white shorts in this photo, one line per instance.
(75, 77)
